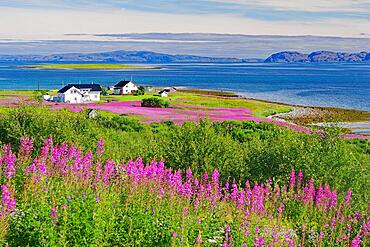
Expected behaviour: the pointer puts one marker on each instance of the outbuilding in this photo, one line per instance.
(125, 87)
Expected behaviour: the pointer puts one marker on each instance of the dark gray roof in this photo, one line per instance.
(92, 87)
(122, 84)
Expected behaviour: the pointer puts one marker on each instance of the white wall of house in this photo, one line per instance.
(94, 95)
(75, 95)
(164, 94)
(127, 89)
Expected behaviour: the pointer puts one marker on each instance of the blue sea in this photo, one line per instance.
(336, 85)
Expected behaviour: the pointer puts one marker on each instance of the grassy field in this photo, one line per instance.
(8, 93)
(217, 99)
(211, 99)
(90, 66)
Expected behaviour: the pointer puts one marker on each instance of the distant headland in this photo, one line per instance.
(318, 57)
(138, 57)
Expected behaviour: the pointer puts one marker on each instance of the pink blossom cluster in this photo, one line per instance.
(7, 202)
(7, 162)
(250, 200)
(186, 113)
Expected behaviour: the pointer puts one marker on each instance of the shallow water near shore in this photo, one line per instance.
(335, 85)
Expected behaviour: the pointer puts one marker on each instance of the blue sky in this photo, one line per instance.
(260, 9)
(276, 17)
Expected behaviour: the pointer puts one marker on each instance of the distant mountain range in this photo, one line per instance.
(154, 57)
(318, 57)
(121, 57)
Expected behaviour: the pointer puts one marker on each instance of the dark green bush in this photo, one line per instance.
(155, 102)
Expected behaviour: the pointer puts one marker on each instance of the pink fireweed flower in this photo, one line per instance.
(215, 176)
(333, 223)
(108, 171)
(234, 192)
(100, 147)
(8, 161)
(7, 202)
(333, 200)
(280, 209)
(241, 198)
(98, 173)
(291, 243)
(277, 191)
(186, 190)
(185, 211)
(208, 189)
(259, 241)
(87, 161)
(198, 240)
(48, 143)
(227, 228)
(309, 192)
(366, 228)
(319, 196)
(292, 180)
(300, 177)
(189, 174)
(356, 242)
(26, 146)
(196, 203)
(54, 215)
(347, 199)
(161, 192)
(205, 177)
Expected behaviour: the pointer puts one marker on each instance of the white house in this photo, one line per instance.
(125, 87)
(163, 93)
(169, 89)
(79, 93)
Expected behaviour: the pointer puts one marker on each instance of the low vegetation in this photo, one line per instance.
(239, 150)
(67, 179)
(63, 196)
(87, 66)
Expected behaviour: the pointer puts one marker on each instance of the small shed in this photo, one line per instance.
(46, 97)
(92, 113)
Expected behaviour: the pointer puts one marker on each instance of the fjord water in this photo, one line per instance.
(336, 85)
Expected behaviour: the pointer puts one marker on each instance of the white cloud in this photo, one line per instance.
(53, 24)
(359, 6)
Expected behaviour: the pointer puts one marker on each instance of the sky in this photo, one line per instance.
(43, 20)
(50, 19)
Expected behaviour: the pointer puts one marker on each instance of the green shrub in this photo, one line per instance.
(155, 102)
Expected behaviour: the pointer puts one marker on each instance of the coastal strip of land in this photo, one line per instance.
(193, 104)
(88, 66)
